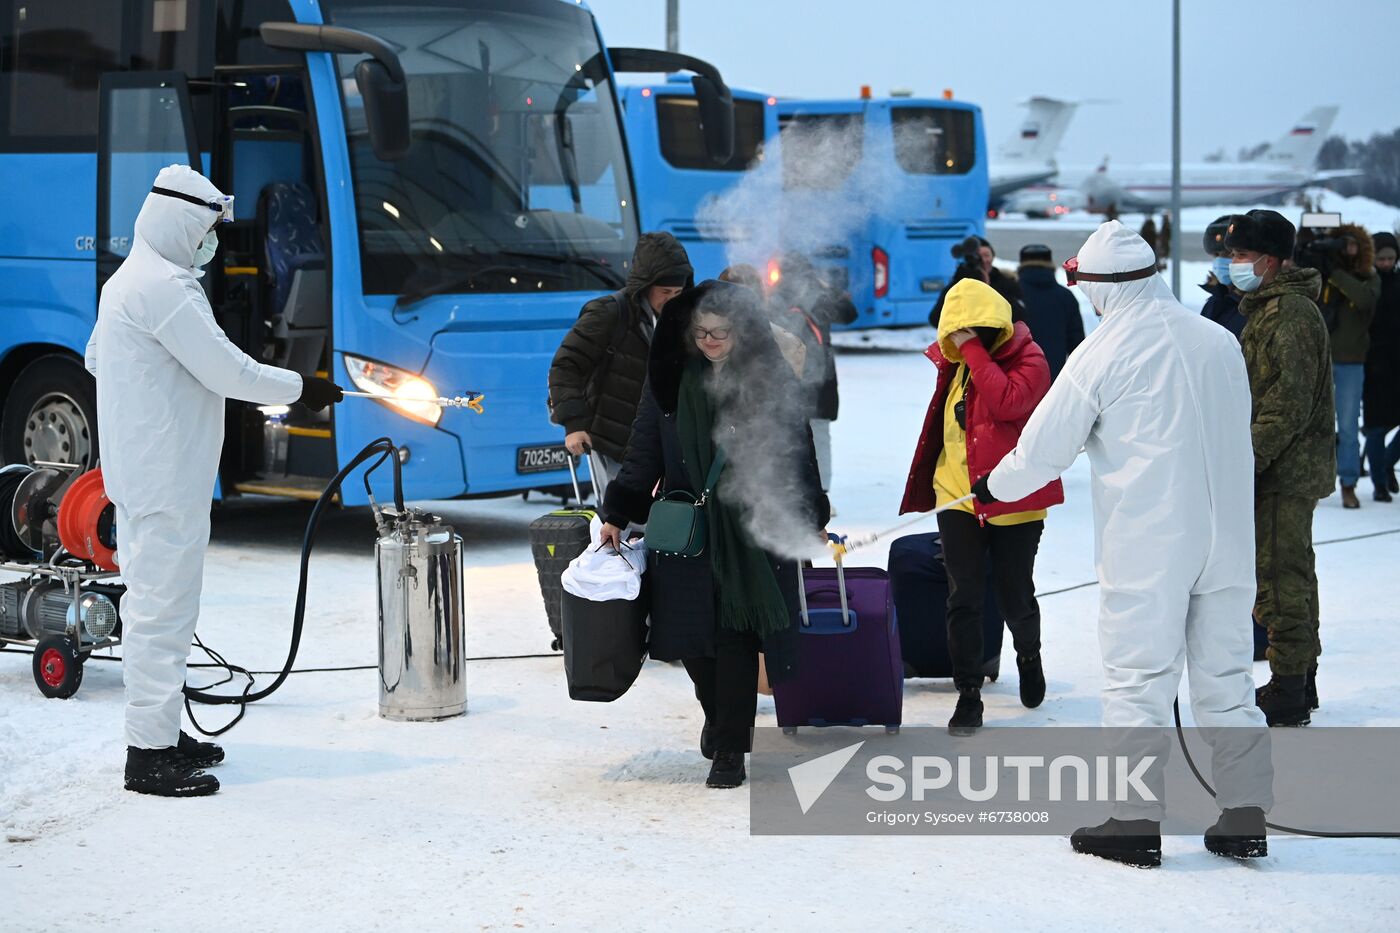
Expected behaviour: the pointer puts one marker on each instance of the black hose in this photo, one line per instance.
(381, 446)
(1201, 779)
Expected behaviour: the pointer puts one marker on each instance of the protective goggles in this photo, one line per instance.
(1073, 275)
(222, 206)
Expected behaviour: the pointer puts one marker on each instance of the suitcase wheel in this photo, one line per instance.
(556, 645)
(789, 730)
(892, 730)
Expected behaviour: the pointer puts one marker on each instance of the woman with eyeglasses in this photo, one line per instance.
(717, 381)
(991, 375)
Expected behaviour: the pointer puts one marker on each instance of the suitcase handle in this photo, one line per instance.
(573, 475)
(804, 615)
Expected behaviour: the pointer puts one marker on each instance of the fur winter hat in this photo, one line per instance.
(1261, 231)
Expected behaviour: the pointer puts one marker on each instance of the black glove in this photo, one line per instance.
(983, 494)
(317, 393)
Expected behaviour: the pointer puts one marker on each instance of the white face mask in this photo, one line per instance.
(1243, 276)
(206, 250)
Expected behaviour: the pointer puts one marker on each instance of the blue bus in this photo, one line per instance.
(426, 194)
(906, 178)
(674, 172)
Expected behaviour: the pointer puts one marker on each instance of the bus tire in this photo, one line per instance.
(50, 413)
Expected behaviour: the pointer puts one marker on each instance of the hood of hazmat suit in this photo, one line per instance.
(163, 364)
(1159, 398)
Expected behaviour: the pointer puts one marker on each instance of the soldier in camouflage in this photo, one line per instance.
(1287, 354)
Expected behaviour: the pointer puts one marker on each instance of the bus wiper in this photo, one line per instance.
(600, 270)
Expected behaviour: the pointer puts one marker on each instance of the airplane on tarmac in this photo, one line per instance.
(1287, 165)
(1028, 157)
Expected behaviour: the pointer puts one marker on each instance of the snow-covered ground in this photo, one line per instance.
(534, 812)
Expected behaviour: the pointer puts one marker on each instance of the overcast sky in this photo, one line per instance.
(1249, 69)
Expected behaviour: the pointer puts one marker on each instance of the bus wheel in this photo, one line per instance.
(51, 414)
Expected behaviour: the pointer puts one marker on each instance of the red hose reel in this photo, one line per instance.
(86, 520)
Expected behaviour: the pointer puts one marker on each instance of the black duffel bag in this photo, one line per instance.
(604, 645)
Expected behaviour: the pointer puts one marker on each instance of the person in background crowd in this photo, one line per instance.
(715, 372)
(991, 375)
(1160, 400)
(1051, 310)
(793, 349)
(1223, 305)
(1295, 450)
(1381, 392)
(1349, 292)
(804, 304)
(1004, 282)
(597, 374)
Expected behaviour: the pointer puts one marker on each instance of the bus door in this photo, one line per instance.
(144, 123)
(271, 285)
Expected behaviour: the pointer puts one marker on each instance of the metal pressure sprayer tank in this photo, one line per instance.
(419, 561)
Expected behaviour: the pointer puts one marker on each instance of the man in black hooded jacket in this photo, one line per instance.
(597, 374)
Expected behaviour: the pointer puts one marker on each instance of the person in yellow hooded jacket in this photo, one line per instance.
(991, 376)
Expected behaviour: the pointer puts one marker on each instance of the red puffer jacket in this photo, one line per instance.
(1000, 396)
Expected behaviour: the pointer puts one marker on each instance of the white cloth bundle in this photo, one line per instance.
(600, 573)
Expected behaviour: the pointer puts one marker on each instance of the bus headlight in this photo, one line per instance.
(396, 388)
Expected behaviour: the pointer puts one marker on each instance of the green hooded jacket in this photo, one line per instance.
(1289, 359)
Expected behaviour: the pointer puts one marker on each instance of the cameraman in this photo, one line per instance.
(1350, 291)
(977, 255)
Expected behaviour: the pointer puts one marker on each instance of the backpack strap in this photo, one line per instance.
(618, 298)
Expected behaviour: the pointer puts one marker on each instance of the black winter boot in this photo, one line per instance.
(727, 771)
(707, 742)
(1239, 833)
(1132, 842)
(1310, 687)
(1032, 680)
(164, 772)
(1284, 700)
(198, 754)
(967, 717)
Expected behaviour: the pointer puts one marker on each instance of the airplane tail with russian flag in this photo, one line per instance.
(1298, 148)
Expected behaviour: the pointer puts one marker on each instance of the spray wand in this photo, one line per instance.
(472, 401)
(839, 549)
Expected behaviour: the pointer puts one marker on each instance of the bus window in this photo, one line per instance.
(683, 143)
(820, 150)
(52, 57)
(494, 195)
(934, 141)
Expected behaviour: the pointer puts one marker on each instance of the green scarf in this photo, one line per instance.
(746, 588)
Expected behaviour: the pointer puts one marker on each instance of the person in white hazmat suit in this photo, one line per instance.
(164, 368)
(1159, 398)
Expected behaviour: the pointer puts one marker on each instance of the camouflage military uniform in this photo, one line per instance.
(1288, 356)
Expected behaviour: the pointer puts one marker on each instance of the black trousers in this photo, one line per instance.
(967, 546)
(727, 687)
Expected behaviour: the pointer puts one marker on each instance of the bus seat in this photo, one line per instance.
(298, 296)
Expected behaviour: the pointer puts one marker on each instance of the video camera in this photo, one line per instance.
(1318, 245)
(970, 252)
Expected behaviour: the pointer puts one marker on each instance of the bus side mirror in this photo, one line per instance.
(380, 78)
(386, 110)
(716, 118)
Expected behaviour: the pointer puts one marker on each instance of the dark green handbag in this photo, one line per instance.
(676, 523)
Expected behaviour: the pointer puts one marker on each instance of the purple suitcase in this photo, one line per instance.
(849, 671)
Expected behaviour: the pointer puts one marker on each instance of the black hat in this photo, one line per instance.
(671, 280)
(1385, 240)
(1036, 252)
(1261, 231)
(1214, 240)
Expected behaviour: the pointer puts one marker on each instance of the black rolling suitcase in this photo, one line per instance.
(919, 585)
(555, 540)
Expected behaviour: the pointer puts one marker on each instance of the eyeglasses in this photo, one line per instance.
(718, 333)
(222, 206)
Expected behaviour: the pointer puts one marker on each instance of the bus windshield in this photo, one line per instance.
(516, 178)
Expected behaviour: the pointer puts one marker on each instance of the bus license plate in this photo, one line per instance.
(542, 459)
